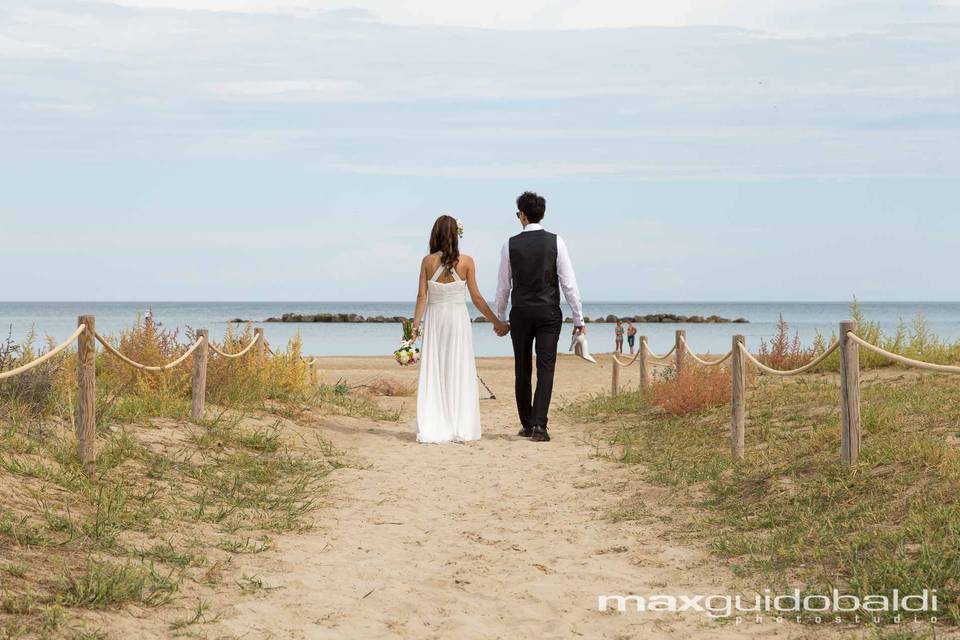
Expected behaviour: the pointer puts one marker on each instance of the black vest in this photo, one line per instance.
(533, 263)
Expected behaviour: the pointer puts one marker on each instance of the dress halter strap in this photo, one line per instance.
(440, 270)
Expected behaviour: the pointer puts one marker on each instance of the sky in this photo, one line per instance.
(300, 150)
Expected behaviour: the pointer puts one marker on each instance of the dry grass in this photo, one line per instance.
(233, 381)
(32, 392)
(389, 387)
(339, 399)
(125, 394)
(171, 500)
(695, 389)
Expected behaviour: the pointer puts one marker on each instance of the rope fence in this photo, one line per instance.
(86, 337)
(909, 362)
(49, 354)
(740, 359)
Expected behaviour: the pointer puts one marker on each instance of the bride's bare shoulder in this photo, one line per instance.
(466, 260)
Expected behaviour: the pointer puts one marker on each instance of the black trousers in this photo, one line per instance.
(535, 329)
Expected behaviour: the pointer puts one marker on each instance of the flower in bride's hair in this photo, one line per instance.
(459, 228)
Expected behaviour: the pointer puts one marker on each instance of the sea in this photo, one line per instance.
(806, 319)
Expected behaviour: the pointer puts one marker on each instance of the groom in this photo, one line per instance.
(534, 268)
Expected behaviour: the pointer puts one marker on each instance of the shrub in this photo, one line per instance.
(147, 343)
(695, 389)
(127, 394)
(784, 352)
(913, 341)
(32, 393)
(287, 375)
(252, 379)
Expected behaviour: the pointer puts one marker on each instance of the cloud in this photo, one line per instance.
(343, 93)
(796, 16)
(60, 107)
(308, 90)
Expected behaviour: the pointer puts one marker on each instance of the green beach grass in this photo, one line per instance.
(789, 515)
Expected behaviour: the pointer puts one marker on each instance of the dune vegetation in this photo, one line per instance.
(789, 515)
(171, 500)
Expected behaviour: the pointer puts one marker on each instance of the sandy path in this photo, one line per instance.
(503, 538)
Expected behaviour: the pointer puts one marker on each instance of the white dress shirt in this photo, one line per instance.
(568, 280)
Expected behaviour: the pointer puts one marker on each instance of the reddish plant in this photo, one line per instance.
(696, 389)
(784, 352)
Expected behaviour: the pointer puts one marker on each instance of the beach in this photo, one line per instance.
(227, 225)
(501, 538)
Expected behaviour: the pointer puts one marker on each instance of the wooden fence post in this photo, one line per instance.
(681, 350)
(262, 344)
(200, 375)
(314, 372)
(738, 373)
(86, 416)
(644, 371)
(615, 382)
(849, 395)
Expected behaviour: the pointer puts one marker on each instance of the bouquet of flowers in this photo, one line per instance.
(408, 353)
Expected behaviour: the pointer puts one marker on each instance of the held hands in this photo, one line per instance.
(501, 328)
(579, 330)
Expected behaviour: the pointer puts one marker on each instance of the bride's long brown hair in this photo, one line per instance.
(445, 240)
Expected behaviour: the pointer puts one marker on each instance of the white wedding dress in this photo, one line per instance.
(448, 400)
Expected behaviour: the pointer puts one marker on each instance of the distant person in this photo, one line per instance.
(631, 335)
(618, 332)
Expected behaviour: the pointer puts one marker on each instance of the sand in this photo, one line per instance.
(502, 538)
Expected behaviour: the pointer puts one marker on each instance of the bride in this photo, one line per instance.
(448, 400)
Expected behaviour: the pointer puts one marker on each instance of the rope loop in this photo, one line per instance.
(655, 356)
(791, 372)
(36, 362)
(626, 364)
(706, 363)
(144, 367)
(247, 348)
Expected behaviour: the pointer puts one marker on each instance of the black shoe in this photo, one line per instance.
(526, 432)
(540, 435)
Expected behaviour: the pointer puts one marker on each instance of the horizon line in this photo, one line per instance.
(585, 302)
